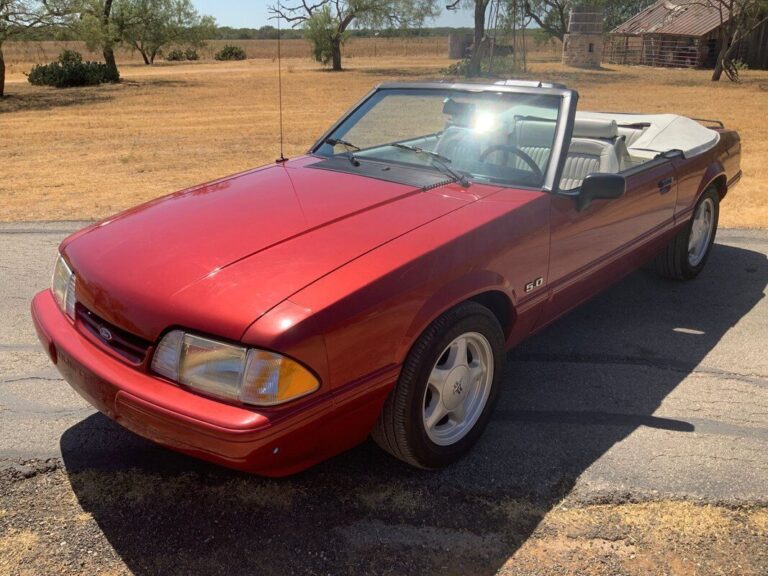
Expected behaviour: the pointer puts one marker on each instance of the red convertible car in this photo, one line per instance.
(274, 318)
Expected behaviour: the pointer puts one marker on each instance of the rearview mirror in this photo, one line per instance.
(600, 186)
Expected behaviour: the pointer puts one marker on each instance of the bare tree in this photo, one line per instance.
(327, 21)
(738, 19)
(552, 15)
(19, 16)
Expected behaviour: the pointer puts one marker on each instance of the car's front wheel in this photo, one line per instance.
(685, 256)
(446, 391)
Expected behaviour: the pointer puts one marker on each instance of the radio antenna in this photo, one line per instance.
(280, 81)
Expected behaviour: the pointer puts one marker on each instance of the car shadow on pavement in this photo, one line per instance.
(571, 393)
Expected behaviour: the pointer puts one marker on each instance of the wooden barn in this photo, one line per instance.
(682, 34)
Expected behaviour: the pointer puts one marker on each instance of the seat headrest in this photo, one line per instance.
(534, 132)
(595, 128)
(460, 112)
(600, 150)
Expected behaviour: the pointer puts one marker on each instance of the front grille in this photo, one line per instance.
(121, 343)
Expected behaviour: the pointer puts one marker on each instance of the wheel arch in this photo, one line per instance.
(500, 305)
(483, 287)
(715, 174)
(721, 183)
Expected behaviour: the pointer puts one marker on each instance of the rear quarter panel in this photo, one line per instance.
(720, 164)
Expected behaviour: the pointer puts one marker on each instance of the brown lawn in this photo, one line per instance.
(87, 153)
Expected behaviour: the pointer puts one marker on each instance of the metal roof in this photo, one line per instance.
(675, 17)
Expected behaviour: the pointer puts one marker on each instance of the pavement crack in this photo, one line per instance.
(20, 348)
(25, 378)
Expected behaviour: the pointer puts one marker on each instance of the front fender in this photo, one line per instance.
(458, 290)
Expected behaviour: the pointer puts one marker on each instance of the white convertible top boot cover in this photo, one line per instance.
(666, 132)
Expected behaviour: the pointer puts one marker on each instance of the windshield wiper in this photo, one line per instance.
(348, 146)
(437, 160)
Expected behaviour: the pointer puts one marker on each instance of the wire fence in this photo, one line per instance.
(661, 51)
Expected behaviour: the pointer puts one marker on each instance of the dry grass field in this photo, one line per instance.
(86, 153)
(22, 55)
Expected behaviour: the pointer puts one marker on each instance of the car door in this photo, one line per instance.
(593, 247)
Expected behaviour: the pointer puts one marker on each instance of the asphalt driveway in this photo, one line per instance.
(653, 390)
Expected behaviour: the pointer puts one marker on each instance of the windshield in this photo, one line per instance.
(497, 137)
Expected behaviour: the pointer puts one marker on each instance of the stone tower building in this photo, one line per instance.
(583, 45)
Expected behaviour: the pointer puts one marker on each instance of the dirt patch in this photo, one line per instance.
(212, 522)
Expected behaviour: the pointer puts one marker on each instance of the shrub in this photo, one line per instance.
(70, 70)
(70, 57)
(230, 53)
(176, 56)
(181, 55)
(740, 65)
(502, 66)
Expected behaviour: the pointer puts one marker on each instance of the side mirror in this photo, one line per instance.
(600, 186)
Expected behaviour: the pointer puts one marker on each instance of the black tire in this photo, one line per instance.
(673, 262)
(400, 428)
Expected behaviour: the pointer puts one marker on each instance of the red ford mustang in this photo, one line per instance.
(272, 319)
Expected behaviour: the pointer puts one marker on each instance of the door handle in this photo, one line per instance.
(665, 185)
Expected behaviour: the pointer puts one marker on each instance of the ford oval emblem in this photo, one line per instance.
(105, 333)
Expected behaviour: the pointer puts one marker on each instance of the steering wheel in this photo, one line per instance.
(517, 152)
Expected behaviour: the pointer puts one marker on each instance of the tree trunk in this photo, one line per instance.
(475, 63)
(723, 58)
(145, 56)
(2, 72)
(718, 71)
(109, 58)
(336, 53)
(109, 45)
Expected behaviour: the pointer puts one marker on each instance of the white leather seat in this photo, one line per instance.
(587, 156)
(593, 148)
(534, 137)
(465, 146)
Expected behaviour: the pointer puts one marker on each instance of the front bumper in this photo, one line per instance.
(273, 442)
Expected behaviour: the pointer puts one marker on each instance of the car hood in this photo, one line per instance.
(216, 257)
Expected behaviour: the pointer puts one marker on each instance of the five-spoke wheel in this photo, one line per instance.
(702, 227)
(458, 388)
(686, 254)
(447, 389)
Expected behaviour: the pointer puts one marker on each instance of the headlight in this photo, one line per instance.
(230, 372)
(63, 286)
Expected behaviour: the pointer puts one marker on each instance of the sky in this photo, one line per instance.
(253, 13)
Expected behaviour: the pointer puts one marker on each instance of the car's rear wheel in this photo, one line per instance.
(446, 391)
(685, 256)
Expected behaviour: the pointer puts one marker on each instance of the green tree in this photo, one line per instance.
(149, 25)
(320, 30)
(100, 31)
(326, 22)
(18, 17)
